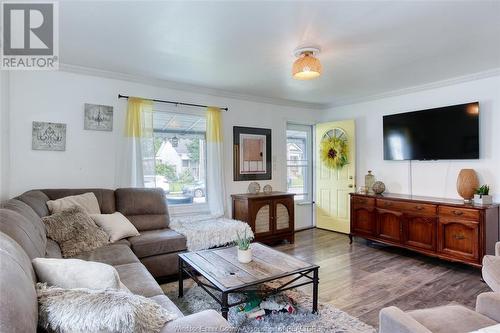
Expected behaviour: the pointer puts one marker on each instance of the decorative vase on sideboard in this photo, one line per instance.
(467, 183)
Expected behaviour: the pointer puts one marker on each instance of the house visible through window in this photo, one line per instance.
(299, 171)
(179, 164)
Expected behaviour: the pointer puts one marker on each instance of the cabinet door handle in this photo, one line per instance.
(419, 207)
(459, 237)
(457, 212)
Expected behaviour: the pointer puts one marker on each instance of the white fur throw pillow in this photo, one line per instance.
(76, 273)
(92, 311)
(116, 226)
(87, 202)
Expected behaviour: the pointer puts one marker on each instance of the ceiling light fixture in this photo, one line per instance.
(307, 66)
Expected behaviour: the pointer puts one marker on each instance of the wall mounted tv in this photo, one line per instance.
(446, 133)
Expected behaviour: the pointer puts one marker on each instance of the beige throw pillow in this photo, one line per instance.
(74, 231)
(87, 201)
(116, 226)
(76, 273)
(92, 311)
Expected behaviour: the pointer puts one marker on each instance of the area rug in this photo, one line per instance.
(329, 319)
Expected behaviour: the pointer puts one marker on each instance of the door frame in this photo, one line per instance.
(312, 200)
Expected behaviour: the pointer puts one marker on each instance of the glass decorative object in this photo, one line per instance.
(369, 181)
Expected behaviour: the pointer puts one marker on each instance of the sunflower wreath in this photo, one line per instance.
(333, 152)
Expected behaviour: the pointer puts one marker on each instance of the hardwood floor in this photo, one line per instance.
(363, 278)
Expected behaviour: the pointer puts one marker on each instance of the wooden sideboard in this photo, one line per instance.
(447, 229)
(270, 215)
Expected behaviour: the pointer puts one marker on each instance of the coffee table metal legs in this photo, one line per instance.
(224, 305)
(181, 278)
(315, 290)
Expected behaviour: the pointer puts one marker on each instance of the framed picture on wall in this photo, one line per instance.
(251, 153)
(98, 117)
(48, 136)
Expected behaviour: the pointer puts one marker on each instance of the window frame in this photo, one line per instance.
(308, 187)
(185, 209)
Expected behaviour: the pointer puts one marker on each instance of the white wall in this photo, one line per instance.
(4, 135)
(431, 178)
(90, 157)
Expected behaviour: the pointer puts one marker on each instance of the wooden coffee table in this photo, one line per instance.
(226, 275)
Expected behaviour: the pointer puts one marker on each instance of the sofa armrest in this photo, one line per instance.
(204, 321)
(488, 304)
(497, 249)
(393, 320)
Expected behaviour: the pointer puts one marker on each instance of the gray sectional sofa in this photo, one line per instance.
(138, 259)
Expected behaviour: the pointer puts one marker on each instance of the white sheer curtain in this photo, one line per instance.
(216, 192)
(137, 152)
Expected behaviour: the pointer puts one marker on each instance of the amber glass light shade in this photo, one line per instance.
(307, 67)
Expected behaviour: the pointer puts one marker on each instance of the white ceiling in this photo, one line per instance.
(245, 47)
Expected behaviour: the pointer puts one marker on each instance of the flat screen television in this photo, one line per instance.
(445, 133)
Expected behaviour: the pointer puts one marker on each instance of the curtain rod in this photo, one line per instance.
(176, 103)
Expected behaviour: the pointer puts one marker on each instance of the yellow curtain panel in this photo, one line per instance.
(139, 121)
(214, 124)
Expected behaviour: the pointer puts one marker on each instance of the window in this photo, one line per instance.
(299, 160)
(179, 163)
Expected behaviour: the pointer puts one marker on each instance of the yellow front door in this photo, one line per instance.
(334, 185)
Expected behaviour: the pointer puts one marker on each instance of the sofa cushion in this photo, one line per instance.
(167, 304)
(204, 321)
(18, 302)
(154, 242)
(37, 200)
(451, 319)
(16, 226)
(116, 226)
(53, 250)
(105, 197)
(113, 254)
(145, 208)
(76, 273)
(86, 201)
(491, 272)
(162, 265)
(26, 211)
(87, 310)
(74, 231)
(138, 280)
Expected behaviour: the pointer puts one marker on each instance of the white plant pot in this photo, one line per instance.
(245, 256)
(483, 199)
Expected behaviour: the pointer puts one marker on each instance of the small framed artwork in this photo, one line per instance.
(48, 136)
(98, 117)
(251, 153)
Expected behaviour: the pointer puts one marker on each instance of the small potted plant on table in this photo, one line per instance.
(482, 196)
(244, 250)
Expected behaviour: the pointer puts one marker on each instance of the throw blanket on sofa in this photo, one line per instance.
(205, 231)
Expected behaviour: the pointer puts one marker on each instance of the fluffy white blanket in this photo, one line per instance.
(205, 231)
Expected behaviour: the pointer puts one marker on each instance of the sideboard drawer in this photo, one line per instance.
(462, 213)
(363, 201)
(407, 207)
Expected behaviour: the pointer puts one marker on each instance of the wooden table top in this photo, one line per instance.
(221, 266)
